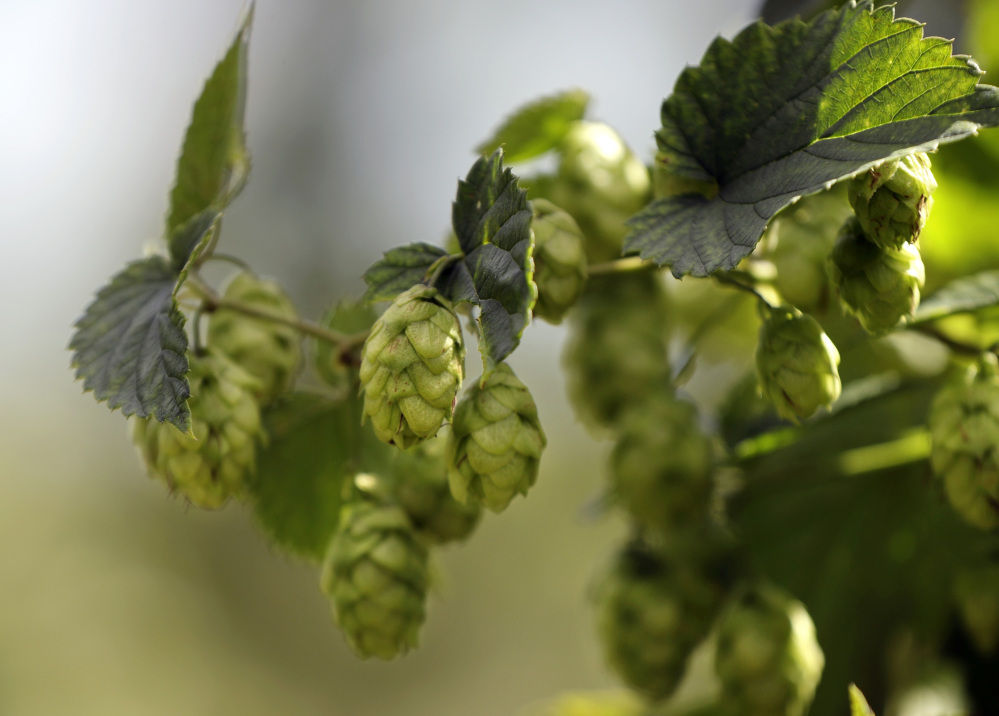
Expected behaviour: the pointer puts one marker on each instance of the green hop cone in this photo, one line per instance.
(601, 183)
(559, 261)
(892, 200)
(412, 365)
(616, 353)
(375, 574)
(495, 443)
(964, 427)
(879, 286)
(652, 611)
(661, 466)
(768, 659)
(271, 352)
(797, 364)
(210, 467)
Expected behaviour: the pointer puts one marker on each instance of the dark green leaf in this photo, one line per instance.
(961, 296)
(197, 234)
(537, 127)
(130, 347)
(399, 270)
(298, 486)
(214, 162)
(492, 220)
(779, 113)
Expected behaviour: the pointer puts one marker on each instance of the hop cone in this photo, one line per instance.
(411, 367)
(661, 467)
(964, 426)
(421, 487)
(495, 442)
(797, 364)
(768, 659)
(559, 261)
(892, 200)
(209, 468)
(616, 354)
(269, 351)
(652, 611)
(375, 573)
(880, 286)
(601, 183)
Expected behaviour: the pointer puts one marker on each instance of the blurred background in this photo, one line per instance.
(361, 118)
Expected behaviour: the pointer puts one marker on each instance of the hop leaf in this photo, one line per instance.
(495, 442)
(661, 466)
(879, 285)
(559, 261)
(892, 200)
(269, 351)
(412, 365)
(601, 183)
(964, 427)
(768, 659)
(375, 574)
(616, 353)
(209, 467)
(652, 610)
(797, 364)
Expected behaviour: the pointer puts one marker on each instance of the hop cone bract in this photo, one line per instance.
(208, 468)
(602, 184)
(616, 354)
(495, 442)
(375, 573)
(880, 286)
(797, 364)
(652, 611)
(893, 199)
(964, 427)
(559, 261)
(661, 466)
(768, 658)
(412, 365)
(271, 352)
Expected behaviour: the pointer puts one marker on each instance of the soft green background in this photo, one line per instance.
(361, 117)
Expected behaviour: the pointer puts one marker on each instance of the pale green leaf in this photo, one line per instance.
(964, 295)
(130, 347)
(858, 704)
(538, 126)
(781, 112)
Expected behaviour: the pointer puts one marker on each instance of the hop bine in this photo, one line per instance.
(209, 467)
(495, 442)
(797, 364)
(412, 365)
(375, 574)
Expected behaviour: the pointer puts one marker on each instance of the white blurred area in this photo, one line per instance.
(361, 118)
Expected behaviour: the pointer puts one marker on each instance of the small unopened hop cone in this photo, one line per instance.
(796, 363)
(269, 351)
(412, 365)
(495, 443)
(964, 428)
(661, 467)
(878, 285)
(375, 574)
(893, 199)
(210, 467)
(652, 611)
(768, 659)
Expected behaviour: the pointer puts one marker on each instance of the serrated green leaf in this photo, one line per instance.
(858, 704)
(782, 112)
(214, 162)
(298, 485)
(537, 127)
(399, 270)
(130, 347)
(492, 220)
(961, 296)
